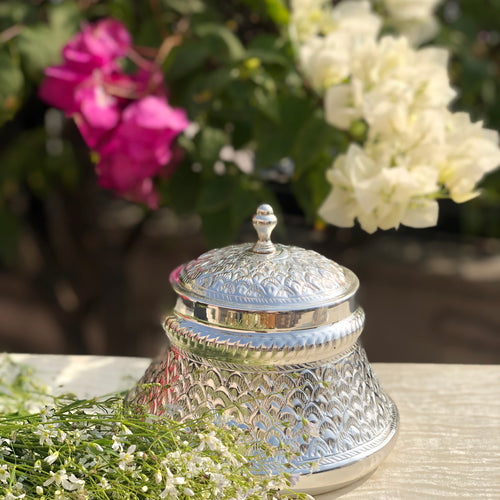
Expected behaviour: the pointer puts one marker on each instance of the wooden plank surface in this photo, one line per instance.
(449, 440)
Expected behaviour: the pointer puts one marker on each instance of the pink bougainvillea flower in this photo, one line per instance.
(124, 117)
(98, 45)
(141, 145)
(145, 137)
(149, 126)
(119, 172)
(99, 113)
(127, 178)
(59, 87)
(145, 193)
(87, 57)
(148, 80)
(176, 157)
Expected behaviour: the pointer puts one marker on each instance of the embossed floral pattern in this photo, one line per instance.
(340, 399)
(291, 277)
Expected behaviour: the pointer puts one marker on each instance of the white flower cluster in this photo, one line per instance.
(414, 19)
(78, 455)
(96, 449)
(415, 150)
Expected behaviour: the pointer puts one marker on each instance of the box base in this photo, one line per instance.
(354, 470)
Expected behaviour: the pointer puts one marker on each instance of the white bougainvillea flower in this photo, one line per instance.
(357, 18)
(415, 150)
(414, 18)
(471, 152)
(389, 81)
(343, 104)
(326, 59)
(377, 195)
(310, 18)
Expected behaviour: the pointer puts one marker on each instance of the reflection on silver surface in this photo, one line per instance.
(270, 335)
(264, 321)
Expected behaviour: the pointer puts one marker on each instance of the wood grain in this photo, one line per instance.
(449, 440)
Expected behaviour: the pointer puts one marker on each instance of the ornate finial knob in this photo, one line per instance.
(264, 221)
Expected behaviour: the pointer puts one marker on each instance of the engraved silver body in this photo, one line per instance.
(270, 333)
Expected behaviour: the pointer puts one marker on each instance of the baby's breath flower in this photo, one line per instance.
(46, 433)
(61, 478)
(126, 430)
(98, 447)
(210, 440)
(96, 451)
(127, 458)
(116, 443)
(4, 474)
(158, 477)
(104, 483)
(10, 496)
(50, 459)
(61, 436)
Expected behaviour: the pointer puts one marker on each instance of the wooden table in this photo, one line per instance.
(449, 440)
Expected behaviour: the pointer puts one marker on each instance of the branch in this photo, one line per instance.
(11, 32)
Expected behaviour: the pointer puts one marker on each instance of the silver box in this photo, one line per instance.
(271, 333)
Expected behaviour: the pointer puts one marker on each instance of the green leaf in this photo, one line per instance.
(11, 86)
(182, 190)
(185, 7)
(278, 12)
(311, 188)
(13, 11)
(226, 202)
(38, 50)
(185, 59)
(217, 227)
(27, 161)
(209, 142)
(276, 140)
(275, 10)
(64, 18)
(225, 40)
(216, 194)
(313, 139)
(266, 102)
(206, 86)
(270, 56)
(40, 45)
(214, 207)
(124, 10)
